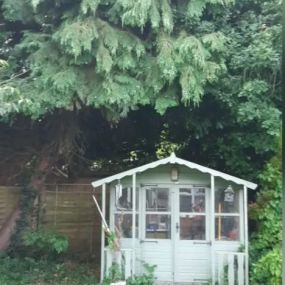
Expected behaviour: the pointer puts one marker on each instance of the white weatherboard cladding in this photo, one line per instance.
(159, 254)
(127, 244)
(192, 262)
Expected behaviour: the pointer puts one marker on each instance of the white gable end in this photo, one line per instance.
(172, 159)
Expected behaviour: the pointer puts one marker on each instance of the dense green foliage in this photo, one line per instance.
(211, 65)
(45, 243)
(147, 278)
(114, 55)
(266, 242)
(27, 215)
(28, 271)
(102, 81)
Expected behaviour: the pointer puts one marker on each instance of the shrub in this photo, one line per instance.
(265, 249)
(45, 243)
(268, 269)
(115, 274)
(30, 271)
(146, 279)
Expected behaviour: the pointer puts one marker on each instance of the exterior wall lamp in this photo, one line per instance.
(174, 174)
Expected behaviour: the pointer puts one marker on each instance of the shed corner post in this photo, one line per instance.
(212, 231)
(134, 224)
(245, 233)
(103, 202)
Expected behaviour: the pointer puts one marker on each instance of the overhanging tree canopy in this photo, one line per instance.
(114, 55)
(216, 61)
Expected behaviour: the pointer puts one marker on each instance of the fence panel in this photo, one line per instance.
(69, 209)
(9, 200)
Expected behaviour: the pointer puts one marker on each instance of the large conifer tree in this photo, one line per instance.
(114, 55)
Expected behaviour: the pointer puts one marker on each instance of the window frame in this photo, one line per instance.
(239, 214)
(145, 213)
(193, 214)
(116, 211)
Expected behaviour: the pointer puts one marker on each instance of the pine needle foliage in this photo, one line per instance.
(116, 55)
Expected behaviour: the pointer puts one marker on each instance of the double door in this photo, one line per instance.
(175, 232)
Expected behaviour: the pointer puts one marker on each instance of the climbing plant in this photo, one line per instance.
(266, 242)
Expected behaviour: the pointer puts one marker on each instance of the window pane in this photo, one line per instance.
(123, 223)
(192, 200)
(124, 198)
(185, 200)
(157, 199)
(199, 200)
(226, 201)
(192, 228)
(227, 228)
(158, 226)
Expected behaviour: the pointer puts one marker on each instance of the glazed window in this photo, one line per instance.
(123, 218)
(124, 198)
(124, 224)
(158, 213)
(157, 199)
(192, 217)
(158, 226)
(227, 228)
(227, 214)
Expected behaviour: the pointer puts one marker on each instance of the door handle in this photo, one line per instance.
(152, 241)
(177, 227)
(202, 242)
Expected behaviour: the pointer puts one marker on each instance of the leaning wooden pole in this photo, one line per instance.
(105, 225)
(104, 228)
(219, 222)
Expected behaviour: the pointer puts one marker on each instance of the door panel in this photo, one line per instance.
(157, 240)
(192, 249)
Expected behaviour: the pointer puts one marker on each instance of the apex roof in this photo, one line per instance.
(172, 159)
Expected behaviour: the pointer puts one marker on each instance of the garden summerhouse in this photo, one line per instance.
(188, 220)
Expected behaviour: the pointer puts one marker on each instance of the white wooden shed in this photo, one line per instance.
(188, 220)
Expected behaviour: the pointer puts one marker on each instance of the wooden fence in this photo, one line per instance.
(9, 200)
(67, 209)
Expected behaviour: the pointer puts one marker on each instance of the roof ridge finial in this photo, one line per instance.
(172, 155)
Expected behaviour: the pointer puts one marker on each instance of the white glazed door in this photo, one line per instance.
(192, 247)
(175, 233)
(157, 231)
